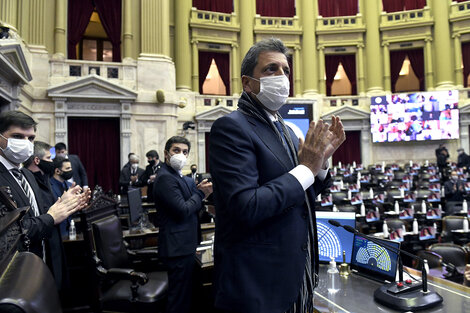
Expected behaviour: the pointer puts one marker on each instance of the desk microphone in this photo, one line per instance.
(398, 295)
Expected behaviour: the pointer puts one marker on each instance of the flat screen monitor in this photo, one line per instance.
(135, 206)
(417, 116)
(332, 240)
(374, 260)
(297, 117)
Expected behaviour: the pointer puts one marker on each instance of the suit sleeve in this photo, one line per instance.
(124, 178)
(234, 169)
(168, 193)
(38, 227)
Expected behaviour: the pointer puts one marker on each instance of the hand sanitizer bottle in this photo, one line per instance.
(363, 209)
(72, 231)
(371, 193)
(385, 230)
(415, 226)
(333, 277)
(464, 206)
(335, 209)
(423, 207)
(397, 207)
(465, 224)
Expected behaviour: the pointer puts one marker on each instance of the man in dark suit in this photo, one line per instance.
(463, 160)
(17, 133)
(266, 253)
(42, 167)
(150, 173)
(194, 175)
(128, 164)
(178, 201)
(131, 177)
(79, 173)
(59, 183)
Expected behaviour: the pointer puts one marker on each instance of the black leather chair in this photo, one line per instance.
(423, 193)
(338, 197)
(450, 223)
(124, 293)
(453, 207)
(395, 223)
(450, 253)
(346, 208)
(434, 259)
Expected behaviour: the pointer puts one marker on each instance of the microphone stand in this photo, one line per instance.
(397, 295)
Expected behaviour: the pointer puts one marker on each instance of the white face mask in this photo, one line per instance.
(18, 150)
(273, 91)
(135, 166)
(455, 177)
(178, 161)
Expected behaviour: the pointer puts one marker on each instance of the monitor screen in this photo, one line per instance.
(415, 116)
(52, 150)
(297, 117)
(332, 241)
(373, 259)
(135, 206)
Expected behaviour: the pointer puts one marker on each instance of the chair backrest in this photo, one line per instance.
(424, 193)
(109, 245)
(451, 222)
(395, 223)
(338, 197)
(27, 286)
(453, 207)
(450, 253)
(434, 259)
(346, 208)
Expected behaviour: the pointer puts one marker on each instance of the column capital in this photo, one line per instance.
(360, 45)
(456, 35)
(297, 48)
(234, 45)
(428, 39)
(320, 47)
(194, 41)
(385, 44)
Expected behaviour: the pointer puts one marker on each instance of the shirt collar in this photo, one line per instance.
(7, 163)
(272, 117)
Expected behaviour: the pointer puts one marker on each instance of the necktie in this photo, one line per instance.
(29, 193)
(27, 190)
(284, 142)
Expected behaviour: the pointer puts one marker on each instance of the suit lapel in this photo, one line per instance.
(183, 185)
(272, 142)
(17, 192)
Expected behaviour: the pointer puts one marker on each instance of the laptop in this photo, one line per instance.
(374, 261)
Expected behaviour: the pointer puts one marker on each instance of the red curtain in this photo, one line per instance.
(222, 60)
(396, 62)
(466, 61)
(331, 67)
(402, 5)
(417, 63)
(97, 142)
(350, 150)
(276, 8)
(349, 65)
(223, 6)
(79, 13)
(110, 15)
(330, 8)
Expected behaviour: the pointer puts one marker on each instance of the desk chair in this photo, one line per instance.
(395, 223)
(450, 223)
(346, 208)
(423, 193)
(453, 207)
(434, 259)
(450, 253)
(118, 287)
(338, 197)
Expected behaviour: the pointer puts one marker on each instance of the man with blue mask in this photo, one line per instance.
(178, 201)
(17, 134)
(265, 184)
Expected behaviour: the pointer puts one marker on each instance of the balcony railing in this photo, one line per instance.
(68, 70)
(339, 101)
(405, 18)
(265, 24)
(340, 24)
(214, 100)
(209, 19)
(459, 10)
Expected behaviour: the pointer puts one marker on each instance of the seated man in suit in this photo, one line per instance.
(131, 177)
(150, 173)
(265, 185)
(17, 133)
(59, 183)
(79, 173)
(178, 202)
(42, 167)
(454, 188)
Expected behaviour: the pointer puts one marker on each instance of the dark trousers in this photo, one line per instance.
(180, 271)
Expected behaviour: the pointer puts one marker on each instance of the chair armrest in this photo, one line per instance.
(127, 274)
(146, 253)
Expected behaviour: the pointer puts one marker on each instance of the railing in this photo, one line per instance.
(340, 23)
(459, 9)
(276, 24)
(68, 70)
(211, 19)
(339, 101)
(214, 100)
(389, 20)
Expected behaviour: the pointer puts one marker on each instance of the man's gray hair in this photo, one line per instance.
(133, 158)
(251, 57)
(40, 149)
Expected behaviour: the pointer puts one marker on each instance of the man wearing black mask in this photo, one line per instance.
(150, 172)
(194, 175)
(42, 167)
(59, 182)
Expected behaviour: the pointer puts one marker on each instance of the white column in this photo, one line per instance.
(60, 120)
(125, 130)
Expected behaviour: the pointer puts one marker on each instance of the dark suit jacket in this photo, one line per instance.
(190, 175)
(38, 227)
(261, 217)
(55, 249)
(79, 172)
(149, 171)
(57, 187)
(125, 178)
(178, 202)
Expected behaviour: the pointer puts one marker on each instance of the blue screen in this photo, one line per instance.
(52, 150)
(333, 240)
(375, 259)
